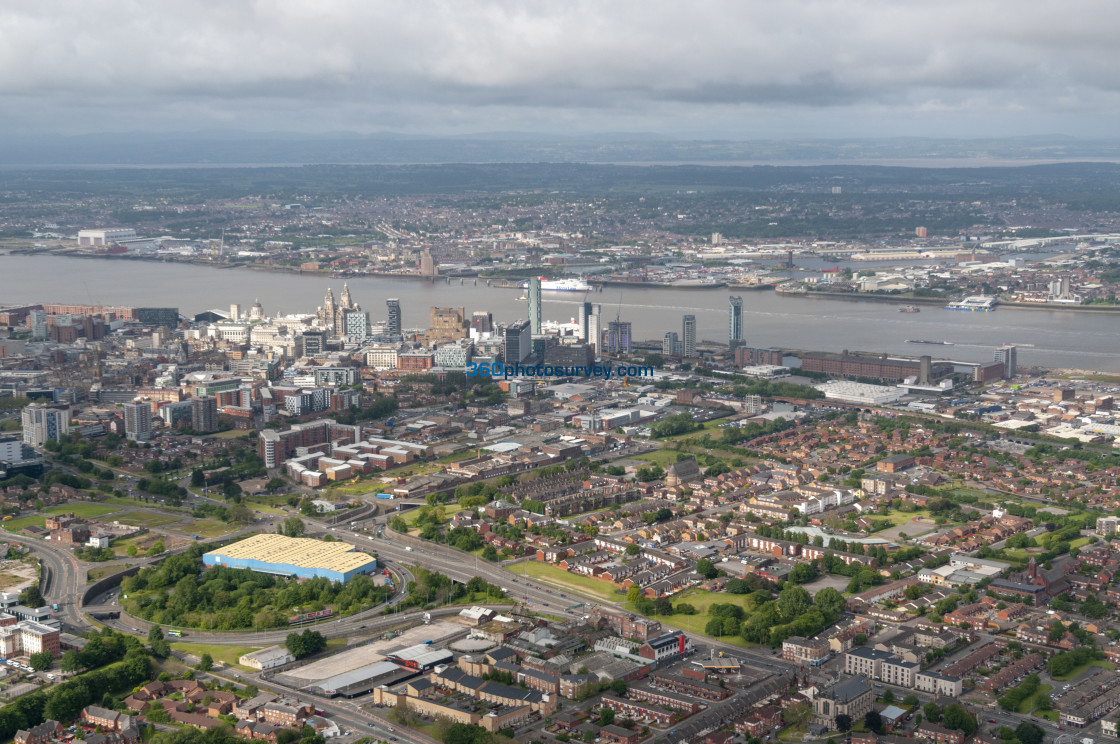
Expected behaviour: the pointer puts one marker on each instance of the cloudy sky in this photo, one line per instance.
(743, 69)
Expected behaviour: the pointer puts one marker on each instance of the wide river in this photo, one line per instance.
(1047, 337)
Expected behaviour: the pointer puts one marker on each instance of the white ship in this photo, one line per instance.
(562, 285)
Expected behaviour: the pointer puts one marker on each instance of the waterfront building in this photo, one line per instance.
(482, 322)
(427, 264)
(394, 309)
(331, 315)
(447, 324)
(735, 322)
(535, 304)
(106, 236)
(595, 329)
(355, 325)
(619, 333)
(671, 344)
(688, 337)
(1007, 355)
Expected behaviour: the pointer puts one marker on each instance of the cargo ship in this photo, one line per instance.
(921, 341)
(909, 309)
(561, 285)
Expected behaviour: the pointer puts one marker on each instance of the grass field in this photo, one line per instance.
(99, 572)
(219, 652)
(17, 524)
(583, 585)
(149, 519)
(264, 504)
(702, 600)
(231, 434)
(207, 528)
(1078, 670)
(900, 517)
(120, 547)
(1079, 542)
(82, 510)
(664, 457)
(230, 654)
(1028, 705)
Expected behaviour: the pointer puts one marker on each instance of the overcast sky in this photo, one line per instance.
(744, 69)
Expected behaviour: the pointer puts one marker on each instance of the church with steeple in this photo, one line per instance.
(333, 316)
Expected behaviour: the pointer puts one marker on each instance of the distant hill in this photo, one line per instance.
(244, 148)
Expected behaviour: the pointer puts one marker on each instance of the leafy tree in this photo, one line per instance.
(206, 663)
(157, 548)
(956, 717)
(633, 549)
(1029, 733)
(293, 527)
(798, 714)
(132, 551)
(932, 712)
(397, 524)
(41, 660)
(830, 601)
(705, 568)
(305, 644)
(873, 721)
(70, 661)
(843, 723)
(910, 701)
(31, 597)
(198, 479)
(793, 601)
(888, 697)
(606, 716)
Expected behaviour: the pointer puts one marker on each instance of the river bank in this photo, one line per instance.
(1082, 340)
(941, 302)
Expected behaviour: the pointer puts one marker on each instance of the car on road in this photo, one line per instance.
(991, 720)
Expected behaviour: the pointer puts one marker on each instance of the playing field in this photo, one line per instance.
(584, 585)
(206, 528)
(148, 519)
(83, 510)
(15, 525)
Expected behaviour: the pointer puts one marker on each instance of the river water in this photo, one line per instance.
(1049, 338)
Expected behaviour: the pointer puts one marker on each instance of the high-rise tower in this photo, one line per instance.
(688, 336)
(394, 306)
(535, 304)
(735, 321)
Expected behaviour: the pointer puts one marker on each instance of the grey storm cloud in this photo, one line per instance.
(80, 65)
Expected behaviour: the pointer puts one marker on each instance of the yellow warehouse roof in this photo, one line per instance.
(296, 551)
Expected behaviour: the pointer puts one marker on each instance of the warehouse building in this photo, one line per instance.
(421, 656)
(300, 557)
(363, 680)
